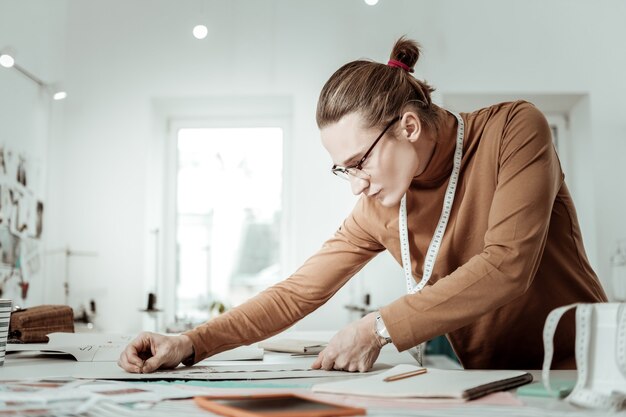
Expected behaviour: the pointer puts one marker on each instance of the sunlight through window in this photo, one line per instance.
(229, 211)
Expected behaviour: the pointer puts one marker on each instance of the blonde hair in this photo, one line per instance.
(377, 91)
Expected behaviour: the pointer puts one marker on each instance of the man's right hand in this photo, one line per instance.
(151, 351)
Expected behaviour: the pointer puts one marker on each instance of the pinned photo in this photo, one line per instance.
(3, 166)
(21, 171)
(6, 204)
(23, 217)
(9, 247)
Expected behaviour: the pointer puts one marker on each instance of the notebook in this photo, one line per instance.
(435, 383)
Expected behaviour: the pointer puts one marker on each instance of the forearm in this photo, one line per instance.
(263, 316)
(455, 301)
(280, 306)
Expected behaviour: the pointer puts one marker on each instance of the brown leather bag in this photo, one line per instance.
(31, 325)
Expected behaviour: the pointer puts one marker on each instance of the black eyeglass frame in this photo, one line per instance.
(341, 171)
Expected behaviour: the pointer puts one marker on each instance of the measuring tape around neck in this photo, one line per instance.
(435, 243)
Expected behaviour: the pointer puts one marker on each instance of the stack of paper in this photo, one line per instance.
(5, 316)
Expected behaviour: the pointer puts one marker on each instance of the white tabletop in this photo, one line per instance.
(37, 366)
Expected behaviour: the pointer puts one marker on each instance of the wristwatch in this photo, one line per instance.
(381, 330)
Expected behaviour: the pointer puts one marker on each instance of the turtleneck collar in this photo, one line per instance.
(439, 168)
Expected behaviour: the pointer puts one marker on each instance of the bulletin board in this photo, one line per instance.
(21, 224)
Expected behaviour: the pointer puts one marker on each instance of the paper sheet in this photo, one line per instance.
(127, 392)
(105, 370)
(377, 403)
(101, 347)
(185, 408)
(72, 397)
(436, 383)
(84, 347)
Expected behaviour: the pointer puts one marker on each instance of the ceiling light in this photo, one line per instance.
(200, 31)
(59, 95)
(371, 2)
(7, 60)
(57, 91)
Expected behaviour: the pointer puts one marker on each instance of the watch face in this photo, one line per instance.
(381, 329)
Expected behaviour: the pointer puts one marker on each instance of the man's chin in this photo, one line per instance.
(389, 201)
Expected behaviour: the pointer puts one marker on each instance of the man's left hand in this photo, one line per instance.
(355, 348)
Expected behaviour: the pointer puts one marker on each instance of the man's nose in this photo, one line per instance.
(358, 184)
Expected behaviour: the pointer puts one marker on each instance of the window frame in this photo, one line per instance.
(238, 113)
(558, 123)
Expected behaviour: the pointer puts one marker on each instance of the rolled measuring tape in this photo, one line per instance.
(581, 395)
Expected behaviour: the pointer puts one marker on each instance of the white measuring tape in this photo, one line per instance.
(581, 394)
(433, 248)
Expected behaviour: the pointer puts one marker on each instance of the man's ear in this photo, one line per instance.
(410, 126)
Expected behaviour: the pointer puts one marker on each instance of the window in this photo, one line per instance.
(558, 126)
(228, 216)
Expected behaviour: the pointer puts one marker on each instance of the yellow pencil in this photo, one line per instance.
(405, 375)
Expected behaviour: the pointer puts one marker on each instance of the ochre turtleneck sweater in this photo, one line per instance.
(512, 252)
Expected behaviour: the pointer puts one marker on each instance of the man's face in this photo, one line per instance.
(388, 170)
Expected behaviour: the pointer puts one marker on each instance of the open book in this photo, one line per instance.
(435, 383)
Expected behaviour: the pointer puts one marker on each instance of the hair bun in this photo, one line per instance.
(406, 51)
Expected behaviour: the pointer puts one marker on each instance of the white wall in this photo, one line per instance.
(123, 55)
(35, 31)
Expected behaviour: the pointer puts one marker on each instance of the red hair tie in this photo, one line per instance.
(394, 63)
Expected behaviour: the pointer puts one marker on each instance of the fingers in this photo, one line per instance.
(349, 361)
(133, 357)
(328, 362)
(129, 361)
(325, 360)
(152, 351)
(142, 342)
(318, 362)
(341, 364)
(152, 364)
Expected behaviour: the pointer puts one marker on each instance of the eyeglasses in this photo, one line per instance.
(355, 170)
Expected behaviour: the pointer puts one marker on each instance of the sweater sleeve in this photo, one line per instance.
(528, 180)
(283, 304)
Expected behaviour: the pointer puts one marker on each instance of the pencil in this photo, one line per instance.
(405, 375)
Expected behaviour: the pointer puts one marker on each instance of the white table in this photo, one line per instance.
(31, 366)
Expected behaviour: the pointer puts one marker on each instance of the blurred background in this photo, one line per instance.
(184, 161)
